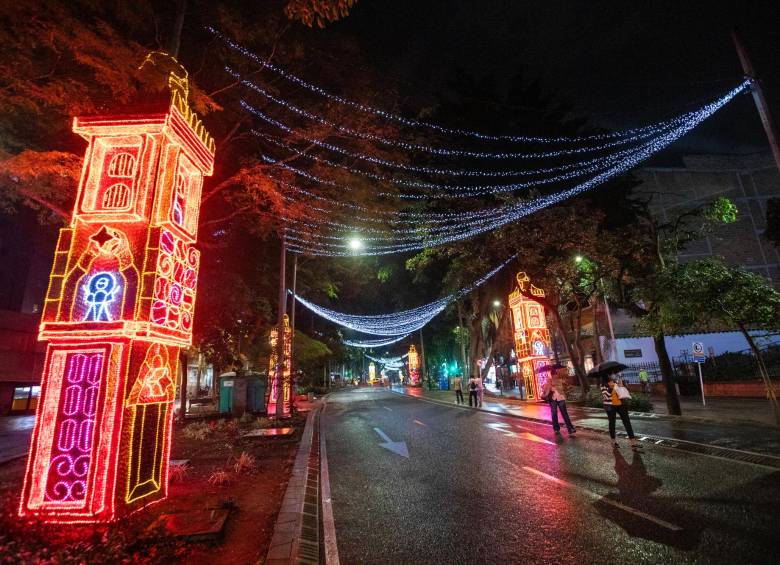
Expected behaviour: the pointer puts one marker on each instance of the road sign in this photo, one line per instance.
(698, 352)
(699, 357)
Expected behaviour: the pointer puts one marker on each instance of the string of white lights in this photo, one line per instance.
(397, 323)
(389, 361)
(470, 190)
(515, 212)
(266, 64)
(439, 151)
(434, 170)
(370, 344)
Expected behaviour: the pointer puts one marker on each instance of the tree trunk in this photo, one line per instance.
(175, 41)
(463, 359)
(570, 351)
(667, 374)
(596, 334)
(770, 391)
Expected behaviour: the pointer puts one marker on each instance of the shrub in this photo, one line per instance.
(177, 472)
(219, 478)
(246, 417)
(637, 403)
(244, 464)
(197, 430)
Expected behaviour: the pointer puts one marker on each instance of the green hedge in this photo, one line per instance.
(637, 403)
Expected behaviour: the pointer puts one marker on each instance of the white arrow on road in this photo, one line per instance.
(397, 447)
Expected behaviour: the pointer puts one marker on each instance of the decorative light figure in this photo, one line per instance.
(531, 336)
(118, 309)
(273, 397)
(414, 366)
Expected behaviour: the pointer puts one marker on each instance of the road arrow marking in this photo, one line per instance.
(397, 447)
(501, 427)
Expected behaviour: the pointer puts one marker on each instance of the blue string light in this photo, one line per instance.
(369, 344)
(398, 323)
(266, 64)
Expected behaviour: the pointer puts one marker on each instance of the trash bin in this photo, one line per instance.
(241, 393)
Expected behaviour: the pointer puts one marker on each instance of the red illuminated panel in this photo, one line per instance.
(71, 452)
(173, 302)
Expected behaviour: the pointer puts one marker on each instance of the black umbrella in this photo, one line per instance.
(606, 368)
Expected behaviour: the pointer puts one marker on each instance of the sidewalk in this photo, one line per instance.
(674, 431)
(15, 432)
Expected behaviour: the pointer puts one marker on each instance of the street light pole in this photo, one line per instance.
(279, 368)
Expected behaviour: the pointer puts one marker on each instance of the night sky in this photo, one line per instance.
(620, 63)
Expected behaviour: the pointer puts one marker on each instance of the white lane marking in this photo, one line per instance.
(528, 436)
(386, 408)
(615, 503)
(658, 439)
(328, 524)
(397, 447)
(419, 423)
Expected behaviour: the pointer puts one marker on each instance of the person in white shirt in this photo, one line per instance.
(553, 393)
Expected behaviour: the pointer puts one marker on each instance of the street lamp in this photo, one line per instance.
(496, 303)
(578, 259)
(355, 244)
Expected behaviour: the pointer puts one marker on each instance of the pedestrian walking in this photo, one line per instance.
(553, 392)
(457, 384)
(480, 389)
(473, 391)
(643, 378)
(614, 396)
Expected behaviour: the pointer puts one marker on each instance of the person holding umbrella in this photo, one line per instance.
(553, 393)
(614, 397)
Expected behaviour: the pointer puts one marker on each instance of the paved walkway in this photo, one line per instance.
(744, 436)
(15, 432)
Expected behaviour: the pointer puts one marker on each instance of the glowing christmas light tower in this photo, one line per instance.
(371, 372)
(414, 366)
(118, 309)
(532, 338)
(286, 375)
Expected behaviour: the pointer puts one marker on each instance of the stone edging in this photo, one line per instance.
(296, 532)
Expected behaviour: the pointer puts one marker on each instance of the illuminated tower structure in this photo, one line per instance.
(118, 308)
(371, 372)
(286, 376)
(414, 366)
(532, 338)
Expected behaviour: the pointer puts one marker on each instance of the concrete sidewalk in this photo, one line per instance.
(747, 437)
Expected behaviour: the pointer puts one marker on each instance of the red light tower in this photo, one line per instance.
(119, 307)
(532, 338)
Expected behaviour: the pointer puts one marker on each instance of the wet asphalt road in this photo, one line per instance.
(480, 488)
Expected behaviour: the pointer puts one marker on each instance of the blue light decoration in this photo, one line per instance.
(99, 294)
(369, 344)
(589, 161)
(506, 214)
(266, 64)
(398, 323)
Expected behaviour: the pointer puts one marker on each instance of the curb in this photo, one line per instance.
(296, 537)
(683, 445)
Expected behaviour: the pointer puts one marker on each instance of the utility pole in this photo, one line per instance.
(279, 368)
(461, 336)
(294, 383)
(758, 97)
